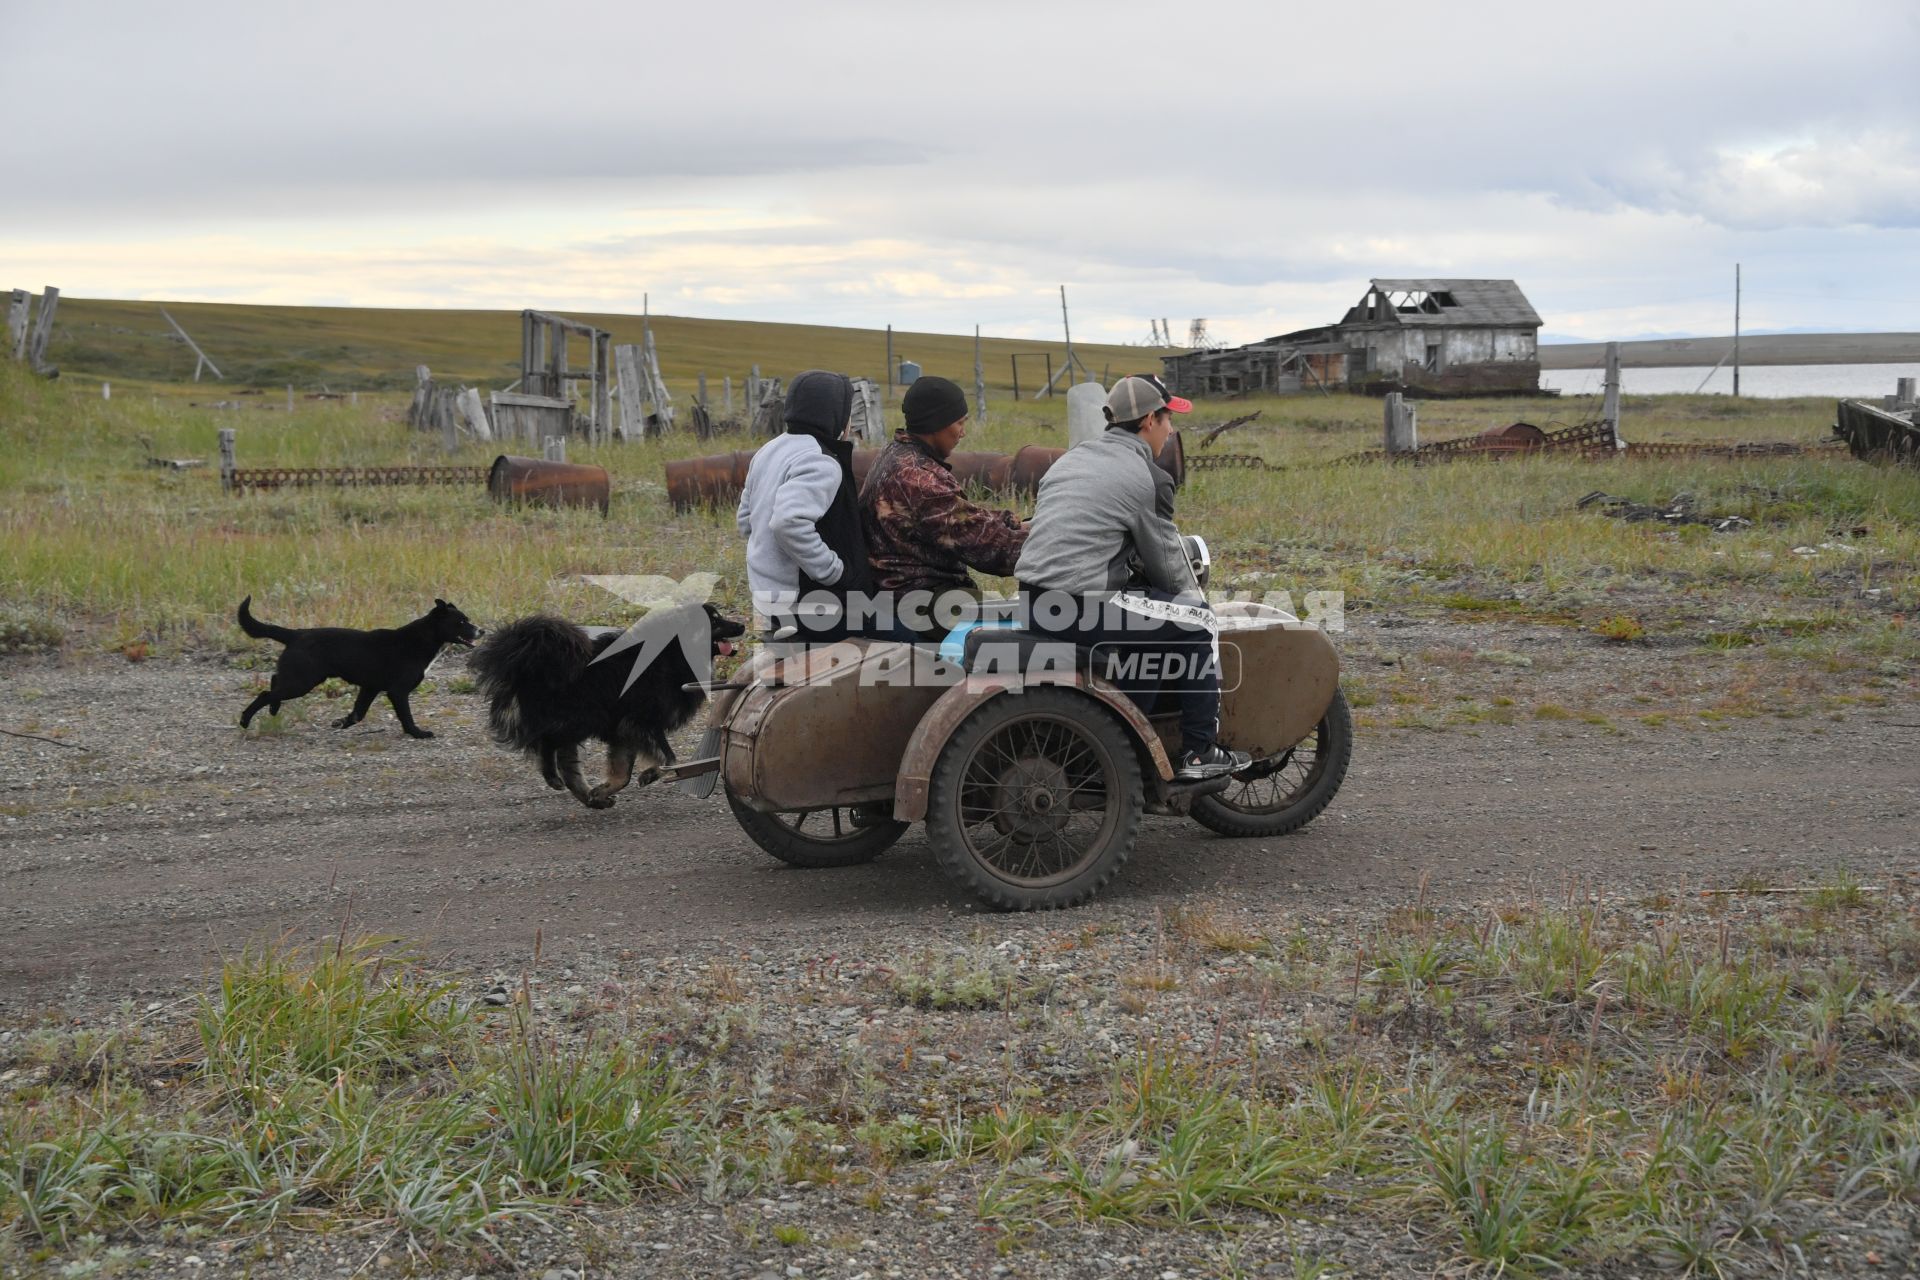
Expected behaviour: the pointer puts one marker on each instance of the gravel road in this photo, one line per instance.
(126, 868)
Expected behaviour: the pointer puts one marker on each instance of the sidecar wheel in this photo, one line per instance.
(1284, 793)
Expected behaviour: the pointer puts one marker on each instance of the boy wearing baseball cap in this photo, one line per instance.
(1104, 515)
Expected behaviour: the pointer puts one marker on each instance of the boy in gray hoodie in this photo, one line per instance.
(799, 512)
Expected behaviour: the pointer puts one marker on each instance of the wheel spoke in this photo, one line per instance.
(1044, 754)
(1298, 770)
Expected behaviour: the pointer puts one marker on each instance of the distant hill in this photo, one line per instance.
(368, 348)
(1755, 349)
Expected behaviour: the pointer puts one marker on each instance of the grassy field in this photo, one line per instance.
(346, 348)
(1539, 1088)
(101, 548)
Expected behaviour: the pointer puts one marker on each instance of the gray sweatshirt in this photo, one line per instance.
(1101, 504)
(790, 484)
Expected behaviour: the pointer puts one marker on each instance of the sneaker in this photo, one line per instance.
(1197, 766)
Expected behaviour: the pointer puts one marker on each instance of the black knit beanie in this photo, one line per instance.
(933, 404)
(818, 404)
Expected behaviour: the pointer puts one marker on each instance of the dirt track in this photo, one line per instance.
(125, 869)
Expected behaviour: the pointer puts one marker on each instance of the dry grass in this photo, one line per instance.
(109, 553)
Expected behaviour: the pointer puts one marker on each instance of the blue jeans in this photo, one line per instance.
(1151, 660)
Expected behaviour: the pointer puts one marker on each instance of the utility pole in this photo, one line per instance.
(979, 380)
(1068, 327)
(1736, 329)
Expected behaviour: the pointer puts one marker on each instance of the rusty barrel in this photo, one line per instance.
(1517, 437)
(710, 481)
(548, 484)
(1173, 459)
(718, 478)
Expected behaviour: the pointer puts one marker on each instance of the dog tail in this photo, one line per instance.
(261, 630)
(526, 670)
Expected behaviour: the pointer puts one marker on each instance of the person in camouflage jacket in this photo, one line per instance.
(923, 533)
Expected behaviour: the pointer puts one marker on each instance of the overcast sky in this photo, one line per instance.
(933, 166)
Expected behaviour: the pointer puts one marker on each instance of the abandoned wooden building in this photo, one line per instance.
(1429, 337)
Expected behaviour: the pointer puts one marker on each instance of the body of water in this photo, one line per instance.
(1770, 381)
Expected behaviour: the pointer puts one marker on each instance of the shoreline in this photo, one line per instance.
(1755, 349)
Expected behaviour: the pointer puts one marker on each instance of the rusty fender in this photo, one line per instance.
(956, 704)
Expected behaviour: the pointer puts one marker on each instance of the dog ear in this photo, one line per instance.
(439, 603)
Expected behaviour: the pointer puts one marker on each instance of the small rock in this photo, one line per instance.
(193, 1259)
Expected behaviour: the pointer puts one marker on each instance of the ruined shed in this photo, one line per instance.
(1430, 337)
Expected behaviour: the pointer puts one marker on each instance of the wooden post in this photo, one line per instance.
(106, 391)
(353, 398)
(979, 380)
(1403, 435)
(226, 460)
(1085, 421)
(527, 358)
(200, 357)
(726, 396)
(1014, 360)
(889, 394)
(1064, 324)
(289, 397)
(657, 386)
(42, 329)
(475, 414)
(633, 401)
(1736, 329)
(602, 389)
(19, 313)
(1049, 360)
(418, 408)
(1610, 403)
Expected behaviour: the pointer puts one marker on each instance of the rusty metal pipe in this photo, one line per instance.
(537, 482)
(718, 478)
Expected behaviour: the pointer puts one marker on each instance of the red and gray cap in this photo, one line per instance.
(1133, 398)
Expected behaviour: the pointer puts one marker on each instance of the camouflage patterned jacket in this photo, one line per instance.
(922, 530)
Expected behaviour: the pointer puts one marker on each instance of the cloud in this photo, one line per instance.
(1869, 178)
(862, 163)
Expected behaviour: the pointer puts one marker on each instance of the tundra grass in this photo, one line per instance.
(1538, 1089)
(104, 552)
(370, 348)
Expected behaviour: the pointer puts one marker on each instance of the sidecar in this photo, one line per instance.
(1031, 773)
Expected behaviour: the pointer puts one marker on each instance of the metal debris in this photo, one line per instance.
(308, 477)
(718, 478)
(1222, 461)
(1877, 435)
(1586, 439)
(1241, 421)
(1679, 511)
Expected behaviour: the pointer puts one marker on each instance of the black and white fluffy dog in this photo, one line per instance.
(546, 694)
